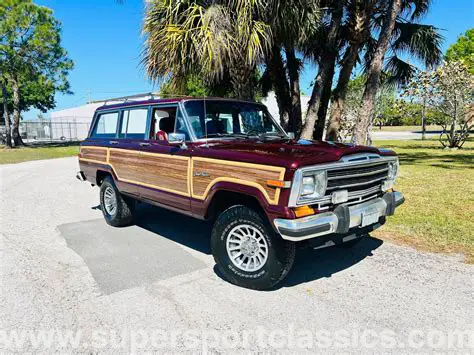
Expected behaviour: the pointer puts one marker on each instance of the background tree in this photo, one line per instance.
(463, 50)
(325, 56)
(452, 94)
(391, 21)
(408, 37)
(207, 39)
(420, 89)
(32, 57)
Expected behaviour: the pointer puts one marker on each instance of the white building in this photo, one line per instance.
(73, 123)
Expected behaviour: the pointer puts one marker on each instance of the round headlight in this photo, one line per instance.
(393, 170)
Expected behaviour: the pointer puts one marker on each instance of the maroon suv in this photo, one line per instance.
(230, 162)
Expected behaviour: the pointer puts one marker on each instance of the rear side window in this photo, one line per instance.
(134, 123)
(106, 126)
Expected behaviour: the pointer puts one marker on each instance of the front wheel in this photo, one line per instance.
(248, 252)
(117, 209)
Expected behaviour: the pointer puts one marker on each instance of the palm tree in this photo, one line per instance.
(326, 56)
(393, 26)
(418, 40)
(292, 23)
(206, 38)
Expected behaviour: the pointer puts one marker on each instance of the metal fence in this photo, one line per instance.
(49, 131)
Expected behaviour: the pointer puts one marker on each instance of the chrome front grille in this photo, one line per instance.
(363, 182)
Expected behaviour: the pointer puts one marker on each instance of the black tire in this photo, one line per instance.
(125, 207)
(350, 243)
(280, 257)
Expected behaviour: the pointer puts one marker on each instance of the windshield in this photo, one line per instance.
(221, 118)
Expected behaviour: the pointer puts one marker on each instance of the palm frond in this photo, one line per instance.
(419, 40)
(398, 72)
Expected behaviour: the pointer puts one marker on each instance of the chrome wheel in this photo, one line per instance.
(247, 248)
(110, 201)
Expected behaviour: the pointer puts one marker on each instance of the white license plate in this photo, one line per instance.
(369, 217)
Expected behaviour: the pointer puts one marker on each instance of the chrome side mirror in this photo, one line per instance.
(291, 135)
(178, 138)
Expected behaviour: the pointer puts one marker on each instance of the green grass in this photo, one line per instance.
(438, 184)
(18, 155)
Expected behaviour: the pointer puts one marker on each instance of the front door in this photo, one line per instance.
(164, 166)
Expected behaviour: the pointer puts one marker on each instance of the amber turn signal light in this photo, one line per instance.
(303, 211)
(279, 183)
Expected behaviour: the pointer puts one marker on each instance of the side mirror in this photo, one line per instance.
(291, 135)
(178, 138)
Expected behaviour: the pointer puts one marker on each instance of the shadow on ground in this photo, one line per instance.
(310, 264)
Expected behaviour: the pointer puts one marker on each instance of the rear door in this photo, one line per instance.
(164, 166)
(124, 152)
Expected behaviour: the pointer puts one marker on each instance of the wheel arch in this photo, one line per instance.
(222, 199)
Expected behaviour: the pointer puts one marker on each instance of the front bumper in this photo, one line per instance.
(339, 221)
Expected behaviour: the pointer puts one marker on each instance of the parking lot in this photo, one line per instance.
(62, 268)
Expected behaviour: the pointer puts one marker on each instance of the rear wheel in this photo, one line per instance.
(248, 252)
(117, 209)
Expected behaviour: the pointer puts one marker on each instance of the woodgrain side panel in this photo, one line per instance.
(240, 173)
(126, 164)
(94, 154)
(170, 174)
(183, 175)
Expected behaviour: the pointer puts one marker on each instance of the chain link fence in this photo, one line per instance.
(49, 131)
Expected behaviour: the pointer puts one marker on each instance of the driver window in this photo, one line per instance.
(162, 123)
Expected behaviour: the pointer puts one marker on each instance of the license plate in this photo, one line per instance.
(369, 217)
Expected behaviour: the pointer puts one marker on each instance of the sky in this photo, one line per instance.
(103, 38)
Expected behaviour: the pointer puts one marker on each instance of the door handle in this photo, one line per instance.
(144, 144)
(113, 142)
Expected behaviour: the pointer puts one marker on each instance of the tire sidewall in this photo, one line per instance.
(272, 270)
(108, 217)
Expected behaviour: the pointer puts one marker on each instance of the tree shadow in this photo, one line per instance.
(310, 264)
(447, 161)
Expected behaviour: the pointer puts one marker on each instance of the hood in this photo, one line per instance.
(282, 152)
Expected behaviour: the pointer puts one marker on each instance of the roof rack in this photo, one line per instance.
(124, 99)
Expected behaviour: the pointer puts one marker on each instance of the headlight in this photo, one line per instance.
(314, 185)
(393, 170)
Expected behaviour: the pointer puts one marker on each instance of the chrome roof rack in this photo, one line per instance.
(123, 99)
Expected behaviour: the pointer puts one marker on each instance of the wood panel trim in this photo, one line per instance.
(190, 182)
(161, 188)
(258, 186)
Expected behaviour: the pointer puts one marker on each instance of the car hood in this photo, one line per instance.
(281, 152)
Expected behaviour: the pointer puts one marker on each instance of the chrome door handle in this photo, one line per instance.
(113, 142)
(144, 144)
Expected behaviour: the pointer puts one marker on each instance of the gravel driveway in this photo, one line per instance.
(71, 283)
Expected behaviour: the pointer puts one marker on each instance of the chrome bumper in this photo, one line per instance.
(340, 220)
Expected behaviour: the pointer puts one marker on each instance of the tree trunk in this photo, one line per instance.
(328, 58)
(323, 106)
(339, 94)
(423, 120)
(295, 113)
(241, 79)
(367, 107)
(6, 116)
(280, 84)
(16, 112)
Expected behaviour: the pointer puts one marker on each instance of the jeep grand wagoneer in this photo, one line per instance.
(231, 163)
